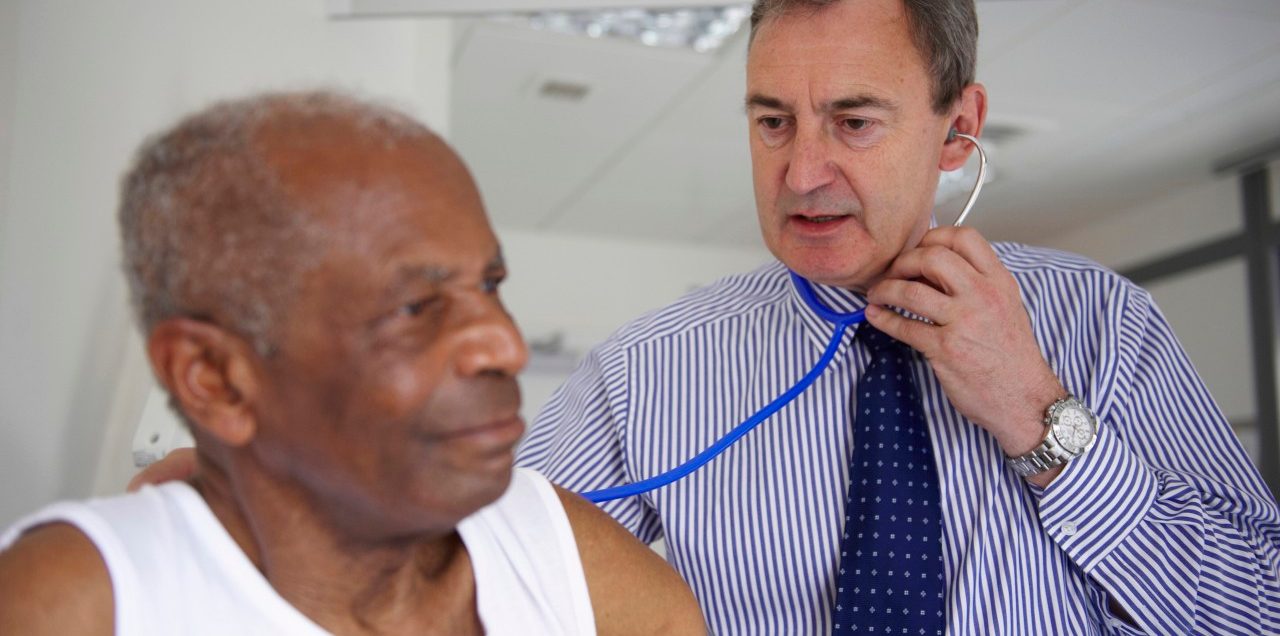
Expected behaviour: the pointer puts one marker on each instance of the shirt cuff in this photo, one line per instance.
(1097, 500)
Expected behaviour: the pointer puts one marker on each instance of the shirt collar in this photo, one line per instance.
(837, 299)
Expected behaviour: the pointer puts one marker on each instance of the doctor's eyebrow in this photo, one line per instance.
(764, 101)
(758, 100)
(862, 101)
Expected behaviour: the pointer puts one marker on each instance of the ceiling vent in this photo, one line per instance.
(563, 90)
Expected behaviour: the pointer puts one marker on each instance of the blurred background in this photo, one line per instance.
(610, 144)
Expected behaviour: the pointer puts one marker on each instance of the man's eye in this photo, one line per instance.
(772, 123)
(418, 307)
(491, 284)
(855, 124)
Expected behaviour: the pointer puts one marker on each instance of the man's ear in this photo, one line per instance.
(969, 117)
(211, 372)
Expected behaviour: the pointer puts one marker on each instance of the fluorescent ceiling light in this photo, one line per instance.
(702, 29)
(383, 8)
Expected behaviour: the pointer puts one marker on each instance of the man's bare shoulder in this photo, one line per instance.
(633, 590)
(54, 581)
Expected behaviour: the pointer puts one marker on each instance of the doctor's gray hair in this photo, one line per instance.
(945, 32)
(207, 231)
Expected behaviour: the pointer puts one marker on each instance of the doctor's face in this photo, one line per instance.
(845, 144)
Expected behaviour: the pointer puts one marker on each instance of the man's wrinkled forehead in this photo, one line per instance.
(833, 29)
(338, 162)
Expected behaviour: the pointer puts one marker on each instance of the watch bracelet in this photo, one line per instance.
(1048, 454)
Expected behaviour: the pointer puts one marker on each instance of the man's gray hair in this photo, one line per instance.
(207, 231)
(945, 33)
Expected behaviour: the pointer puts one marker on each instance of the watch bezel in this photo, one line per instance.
(1054, 417)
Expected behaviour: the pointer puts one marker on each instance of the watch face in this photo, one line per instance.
(1075, 428)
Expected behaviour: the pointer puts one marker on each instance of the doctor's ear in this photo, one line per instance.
(968, 117)
(210, 373)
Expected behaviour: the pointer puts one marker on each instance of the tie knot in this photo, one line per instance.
(876, 341)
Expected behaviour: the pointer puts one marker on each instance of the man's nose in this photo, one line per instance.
(490, 343)
(811, 164)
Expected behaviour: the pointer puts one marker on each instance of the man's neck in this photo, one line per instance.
(345, 584)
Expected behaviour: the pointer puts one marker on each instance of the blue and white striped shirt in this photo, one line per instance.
(1165, 514)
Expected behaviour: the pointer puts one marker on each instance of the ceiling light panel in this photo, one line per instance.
(702, 29)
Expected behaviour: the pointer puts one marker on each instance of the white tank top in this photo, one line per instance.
(175, 570)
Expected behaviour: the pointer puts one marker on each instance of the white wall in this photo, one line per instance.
(1196, 213)
(586, 287)
(8, 65)
(81, 83)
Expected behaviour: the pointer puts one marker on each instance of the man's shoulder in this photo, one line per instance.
(53, 580)
(632, 589)
(116, 535)
(741, 296)
(1047, 270)
(1031, 258)
(1071, 296)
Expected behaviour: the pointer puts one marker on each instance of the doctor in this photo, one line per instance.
(1021, 446)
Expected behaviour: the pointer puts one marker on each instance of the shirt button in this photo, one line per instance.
(1068, 528)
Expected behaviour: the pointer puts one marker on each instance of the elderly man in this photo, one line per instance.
(317, 284)
(1036, 456)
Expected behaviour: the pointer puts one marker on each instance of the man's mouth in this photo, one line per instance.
(818, 223)
(498, 428)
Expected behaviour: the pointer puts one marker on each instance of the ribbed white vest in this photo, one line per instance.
(175, 570)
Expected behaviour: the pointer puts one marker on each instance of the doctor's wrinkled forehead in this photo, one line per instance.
(945, 34)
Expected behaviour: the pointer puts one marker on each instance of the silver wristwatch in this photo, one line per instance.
(1070, 430)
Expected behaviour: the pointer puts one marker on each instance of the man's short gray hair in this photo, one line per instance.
(945, 32)
(208, 232)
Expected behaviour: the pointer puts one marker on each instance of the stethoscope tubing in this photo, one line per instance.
(683, 470)
(842, 321)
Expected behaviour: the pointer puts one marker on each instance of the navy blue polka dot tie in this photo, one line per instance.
(890, 579)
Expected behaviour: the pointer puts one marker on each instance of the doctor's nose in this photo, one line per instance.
(810, 166)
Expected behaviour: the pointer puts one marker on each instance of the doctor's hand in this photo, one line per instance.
(980, 344)
(178, 465)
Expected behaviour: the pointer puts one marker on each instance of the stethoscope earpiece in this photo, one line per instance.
(982, 173)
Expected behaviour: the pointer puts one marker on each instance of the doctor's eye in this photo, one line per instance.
(772, 123)
(856, 124)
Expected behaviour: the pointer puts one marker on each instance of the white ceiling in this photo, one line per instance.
(1118, 101)
(379, 8)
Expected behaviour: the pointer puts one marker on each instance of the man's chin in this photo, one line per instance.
(485, 484)
(849, 264)
(836, 272)
(462, 495)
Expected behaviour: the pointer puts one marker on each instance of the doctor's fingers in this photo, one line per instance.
(940, 266)
(917, 334)
(179, 465)
(968, 243)
(914, 296)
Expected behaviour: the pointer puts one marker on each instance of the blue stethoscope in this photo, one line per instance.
(841, 321)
